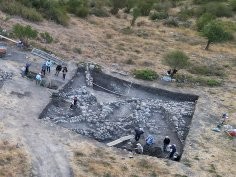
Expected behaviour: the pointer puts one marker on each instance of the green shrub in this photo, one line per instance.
(216, 9)
(171, 22)
(206, 1)
(145, 74)
(233, 4)
(99, 12)
(176, 59)
(47, 37)
(116, 5)
(78, 50)
(163, 6)
(186, 13)
(207, 70)
(25, 32)
(158, 15)
(203, 20)
(187, 79)
(219, 9)
(136, 13)
(145, 6)
(127, 30)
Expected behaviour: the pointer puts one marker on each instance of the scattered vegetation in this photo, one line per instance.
(159, 15)
(207, 70)
(145, 74)
(46, 37)
(200, 81)
(171, 22)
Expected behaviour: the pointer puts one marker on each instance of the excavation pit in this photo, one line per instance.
(112, 108)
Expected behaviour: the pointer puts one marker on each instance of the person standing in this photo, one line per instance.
(58, 69)
(48, 65)
(38, 79)
(27, 68)
(64, 71)
(166, 142)
(74, 103)
(172, 151)
(43, 70)
(138, 133)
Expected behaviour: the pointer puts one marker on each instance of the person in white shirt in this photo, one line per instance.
(38, 79)
(48, 65)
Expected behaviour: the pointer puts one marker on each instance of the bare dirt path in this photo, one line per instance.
(21, 103)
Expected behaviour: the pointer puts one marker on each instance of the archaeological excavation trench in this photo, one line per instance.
(109, 108)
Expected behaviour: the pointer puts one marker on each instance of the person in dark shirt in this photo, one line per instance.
(138, 133)
(58, 69)
(166, 142)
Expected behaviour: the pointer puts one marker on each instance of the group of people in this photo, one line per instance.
(167, 147)
(46, 67)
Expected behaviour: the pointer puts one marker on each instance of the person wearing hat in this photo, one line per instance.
(166, 142)
(139, 148)
(172, 151)
(138, 133)
(38, 79)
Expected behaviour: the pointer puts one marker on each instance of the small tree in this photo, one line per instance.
(203, 20)
(214, 32)
(136, 13)
(176, 60)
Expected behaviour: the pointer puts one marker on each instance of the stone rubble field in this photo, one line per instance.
(106, 121)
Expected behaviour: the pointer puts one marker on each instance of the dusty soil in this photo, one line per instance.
(54, 151)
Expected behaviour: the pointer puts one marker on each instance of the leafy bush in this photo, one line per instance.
(99, 12)
(206, 1)
(162, 6)
(207, 70)
(158, 15)
(78, 7)
(203, 20)
(145, 74)
(187, 79)
(216, 9)
(47, 37)
(25, 32)
(186, 13)
(136, 13)
(171, 22)
(176, 59)
(233, 4)
(116, 5)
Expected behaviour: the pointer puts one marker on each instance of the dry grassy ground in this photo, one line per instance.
(14, 161)
(103, 40)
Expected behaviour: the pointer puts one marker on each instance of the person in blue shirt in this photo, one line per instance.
(38, 79)
(149, 140)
